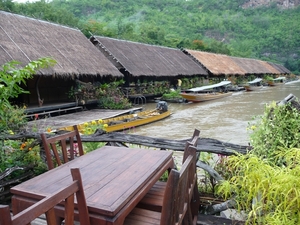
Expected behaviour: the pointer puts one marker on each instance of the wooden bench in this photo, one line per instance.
(47, 204)
(153, 200)
(175, 200)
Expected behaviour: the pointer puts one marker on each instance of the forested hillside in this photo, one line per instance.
(267, 32)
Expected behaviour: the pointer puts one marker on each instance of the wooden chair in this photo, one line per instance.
(47, 204)
(62, 141)
(175, 200)
(153, 200)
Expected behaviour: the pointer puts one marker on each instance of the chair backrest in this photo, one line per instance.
(47, 204)
(177, 193)
(66, 144)
(192, 142)
(191, 149)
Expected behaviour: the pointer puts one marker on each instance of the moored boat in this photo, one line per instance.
(293, 81)
(254, 85)
(130, 121)
(277, 81)
(207, 93)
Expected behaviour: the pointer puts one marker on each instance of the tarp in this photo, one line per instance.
(223, 83)
(256, 80)
(280, 78)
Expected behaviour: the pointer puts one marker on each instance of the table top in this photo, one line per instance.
(111, 177)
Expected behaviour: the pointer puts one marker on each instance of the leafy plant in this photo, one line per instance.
(277, 127)
(89, 129)
(21, 154)
(264, 183)
(111, 97)
(172, 94)
(11, 116)
(268, 193)
(268, 78)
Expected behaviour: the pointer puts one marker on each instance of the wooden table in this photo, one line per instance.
(115, 179)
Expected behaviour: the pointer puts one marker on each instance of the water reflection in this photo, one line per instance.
(224, 119)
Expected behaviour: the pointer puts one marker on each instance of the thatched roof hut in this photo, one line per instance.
(280, 68)
(273, 70)
(26, 39)
(216, 64)
(252, 66)
(138, 59)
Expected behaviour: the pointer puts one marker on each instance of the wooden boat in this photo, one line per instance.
(207, 93)
(129, 121)
(277, 81)
(293, 81)
(254, 85)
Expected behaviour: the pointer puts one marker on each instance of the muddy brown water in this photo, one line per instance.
(224, 119)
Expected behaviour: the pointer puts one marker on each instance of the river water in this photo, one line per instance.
(224, 119)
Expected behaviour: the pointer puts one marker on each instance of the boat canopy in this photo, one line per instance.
(197, 89)
(256, 80)
(279, 78)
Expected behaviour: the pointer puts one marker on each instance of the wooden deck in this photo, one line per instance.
(54, 123)
(202, 220)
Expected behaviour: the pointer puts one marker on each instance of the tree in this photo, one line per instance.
(7, 5)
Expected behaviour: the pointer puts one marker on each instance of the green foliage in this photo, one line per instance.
(268, 193)
(7, 5)
(172, 94)
(277, 128)
(111, 97)
(264, 183)
(89, 129)
(21, 154)
(12, 117)
(268, 78)
(45, 11)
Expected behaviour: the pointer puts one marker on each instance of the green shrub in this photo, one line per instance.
(111, 97)
(265, 182)
(21, 154)
(268, 193)
(278, 127)
(12, 117)
(172, 94)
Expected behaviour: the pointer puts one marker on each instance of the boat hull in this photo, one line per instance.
(125, 122)
(202, 97)
(252, 88)
(293, 82)
(132, 121)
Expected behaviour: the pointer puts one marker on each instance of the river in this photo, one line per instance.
(225, 119)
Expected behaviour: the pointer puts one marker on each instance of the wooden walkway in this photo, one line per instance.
(202, 220)
(54, 123)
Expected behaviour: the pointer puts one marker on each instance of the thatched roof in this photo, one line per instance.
(252, 66)
(148, 60)
(26, 39)
(270, 67)
(217, 64)
(280, 68)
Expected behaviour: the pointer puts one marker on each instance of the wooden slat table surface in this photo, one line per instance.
(114, 178)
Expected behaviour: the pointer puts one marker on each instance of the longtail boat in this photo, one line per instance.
(129, 121)
(254, 85)
(207, 93)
